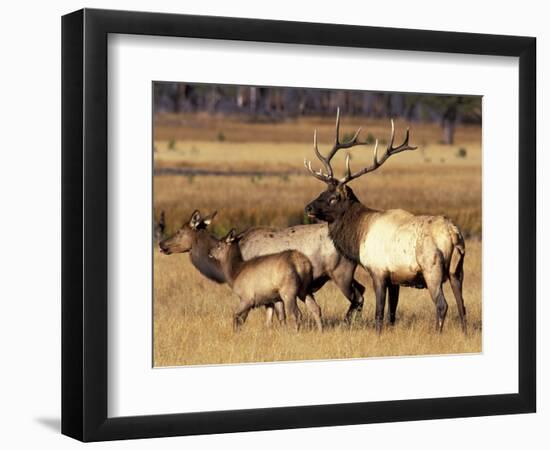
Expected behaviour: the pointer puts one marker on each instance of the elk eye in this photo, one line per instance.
(332, 201)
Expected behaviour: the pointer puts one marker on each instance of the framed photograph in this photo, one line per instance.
(273, 225)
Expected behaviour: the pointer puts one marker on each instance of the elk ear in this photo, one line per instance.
(230, 236)
(240, 235)
(195, 219)
(208, 219)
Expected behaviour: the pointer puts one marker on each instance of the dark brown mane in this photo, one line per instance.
(346, 232)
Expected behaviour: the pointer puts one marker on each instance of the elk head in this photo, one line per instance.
(186, 236)
(338, 197)
(222, 249)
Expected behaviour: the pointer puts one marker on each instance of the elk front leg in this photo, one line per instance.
(239, 318)
(280, 310)
(353, 290)
(379, 284)
(393, 299)
(358, 300)
(315, 310)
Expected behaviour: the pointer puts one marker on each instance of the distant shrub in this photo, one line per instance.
(370, 138)
(461, 153)
(285, 178)
(172, 144)
(220, 136)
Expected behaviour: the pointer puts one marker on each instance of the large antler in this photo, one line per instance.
(390, 150)
(329, 176)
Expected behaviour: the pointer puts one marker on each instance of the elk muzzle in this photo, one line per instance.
(310, 211)
(164, 248)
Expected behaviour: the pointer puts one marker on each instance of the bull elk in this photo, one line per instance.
(263, 280)
(396, 247)
(311, 240)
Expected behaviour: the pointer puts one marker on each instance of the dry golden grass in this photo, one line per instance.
(453, 190)
(193, 322)
(192, 316)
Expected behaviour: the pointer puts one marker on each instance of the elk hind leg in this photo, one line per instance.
(434, 283)
(433, 270)
(456, 277)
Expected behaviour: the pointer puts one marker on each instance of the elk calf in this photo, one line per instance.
(280, 277)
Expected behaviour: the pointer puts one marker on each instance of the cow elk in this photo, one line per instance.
(311, 240)
(263, 280)
(396, 247)
(194, 238)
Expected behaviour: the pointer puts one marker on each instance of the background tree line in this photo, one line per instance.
(274, 103)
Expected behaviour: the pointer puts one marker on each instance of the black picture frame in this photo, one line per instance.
(84, 224)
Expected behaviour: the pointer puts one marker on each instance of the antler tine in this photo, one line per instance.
(319, 175)
(329, 176)
(348, 169)
(337, 144)
(390, 150)
(404, 146)
(375, 164)
(325, 161)
(375, 153)
(337, 138)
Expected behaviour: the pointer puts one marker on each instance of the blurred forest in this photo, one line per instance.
(273, 104)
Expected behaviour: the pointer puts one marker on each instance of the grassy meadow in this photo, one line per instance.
(192, 315)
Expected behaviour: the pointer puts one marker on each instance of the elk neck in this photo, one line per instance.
(199, 254)
(348, 230)
(232, 263)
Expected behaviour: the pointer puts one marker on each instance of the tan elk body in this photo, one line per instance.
(311, 240)
(397, 248)
(280, 277)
